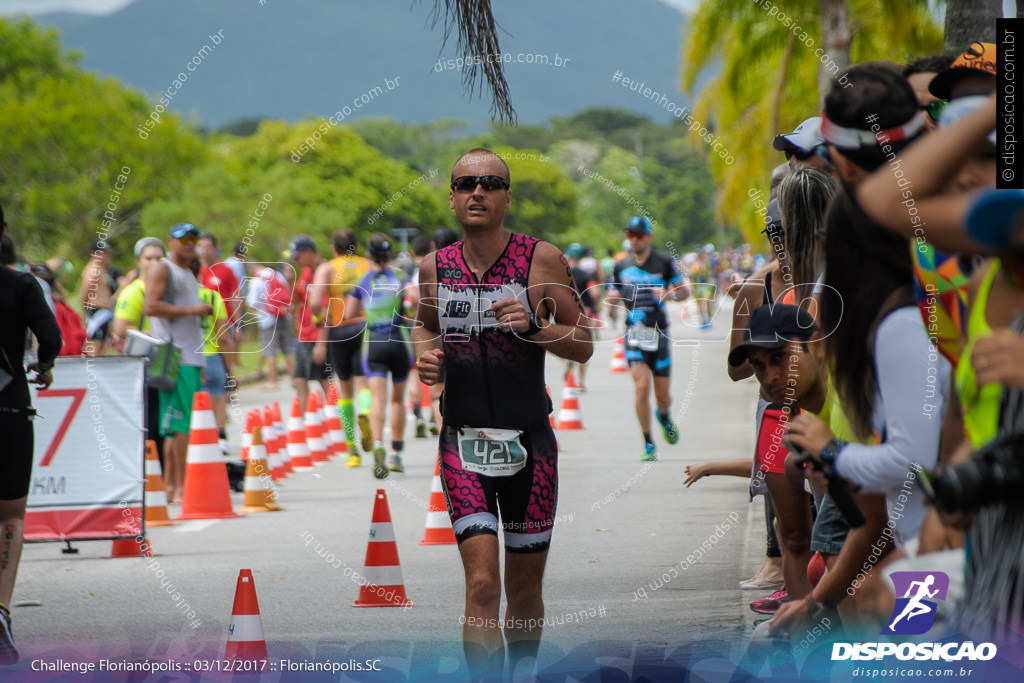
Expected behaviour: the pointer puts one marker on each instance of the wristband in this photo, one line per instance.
(535, 326)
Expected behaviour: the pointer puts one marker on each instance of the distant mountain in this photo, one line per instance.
(294, 58)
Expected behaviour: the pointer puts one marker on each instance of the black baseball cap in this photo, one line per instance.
(300, 244)
(772, 217)
(773, 327)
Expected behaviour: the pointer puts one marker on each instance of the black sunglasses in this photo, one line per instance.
(801, 154)
(490, 183)
(934, 109)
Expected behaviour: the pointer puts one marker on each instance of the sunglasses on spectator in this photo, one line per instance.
(934, 109)
(801, 154)
(635, 235)
(490, 183)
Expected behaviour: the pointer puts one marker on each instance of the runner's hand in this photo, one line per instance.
(695, 472)
(511, 314)
(320, 352)
(43, 379)
(429, 366)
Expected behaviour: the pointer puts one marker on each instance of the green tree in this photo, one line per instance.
(67, 136)
(771, 77)
(338, 182)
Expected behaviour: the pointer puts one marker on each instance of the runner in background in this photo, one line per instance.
(420, 247)
(379, 298)
(340, 342)
(643, 282)
(219, 373)
(302, 251)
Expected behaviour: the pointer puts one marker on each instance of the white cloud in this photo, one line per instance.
(43, 6)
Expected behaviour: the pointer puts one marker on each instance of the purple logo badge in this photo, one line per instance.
(916, 592)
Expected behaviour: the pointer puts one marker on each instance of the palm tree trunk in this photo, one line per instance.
(836, 41)
(969, 21)
(780, 86)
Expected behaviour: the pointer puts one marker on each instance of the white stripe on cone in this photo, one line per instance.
(156, 499)
(203, 419)
(204, 453)
(438, 519)
(382, 532)
(245, 628)
(384, 577)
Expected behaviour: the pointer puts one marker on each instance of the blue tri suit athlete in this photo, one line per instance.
(642, 282)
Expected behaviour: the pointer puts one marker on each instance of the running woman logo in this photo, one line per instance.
(914, 613)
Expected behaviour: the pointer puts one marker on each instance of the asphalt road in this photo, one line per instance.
(646, 566)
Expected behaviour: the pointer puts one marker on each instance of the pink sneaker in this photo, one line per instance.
(771, 604)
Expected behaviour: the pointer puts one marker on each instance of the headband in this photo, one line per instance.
(854, 138)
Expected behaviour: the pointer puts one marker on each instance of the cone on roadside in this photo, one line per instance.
(282, 439)
(569, 417)
(325, 425)
(245, 635)
(334, 427)
(130, 547)
(274, 461)
(298, 449)
(619, 362)
(156, 496)
(315, 430)
(439, 525)
(246, 437)
(260, 492)
(384, 586)
(207, 491)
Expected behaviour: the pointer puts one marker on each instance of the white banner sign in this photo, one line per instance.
(88, 476)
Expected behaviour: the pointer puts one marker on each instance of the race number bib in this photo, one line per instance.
(492, 452)
(643, 338)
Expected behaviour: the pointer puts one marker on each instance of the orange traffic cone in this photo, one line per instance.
(207, 492)
(384, 586)
(282, 439)
(439, 525)
(619, 362)
(325, 426)
(297, 447)
(260, 493)
(314, 430)
(131, 547)
(246, 436)
(245, 635)
(274, 461)
(334, 427)
(569, 416)
(156, 497)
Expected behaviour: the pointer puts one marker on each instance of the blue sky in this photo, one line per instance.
(106, 6)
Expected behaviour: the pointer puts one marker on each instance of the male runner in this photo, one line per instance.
(484, 321)
(642, 281)
(302, 251)
(344, 341)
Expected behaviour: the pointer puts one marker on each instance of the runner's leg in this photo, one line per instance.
(481, 632)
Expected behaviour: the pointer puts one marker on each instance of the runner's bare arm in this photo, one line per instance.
(568, 336)
(322, 277)
(426, 333)
(157, 279)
